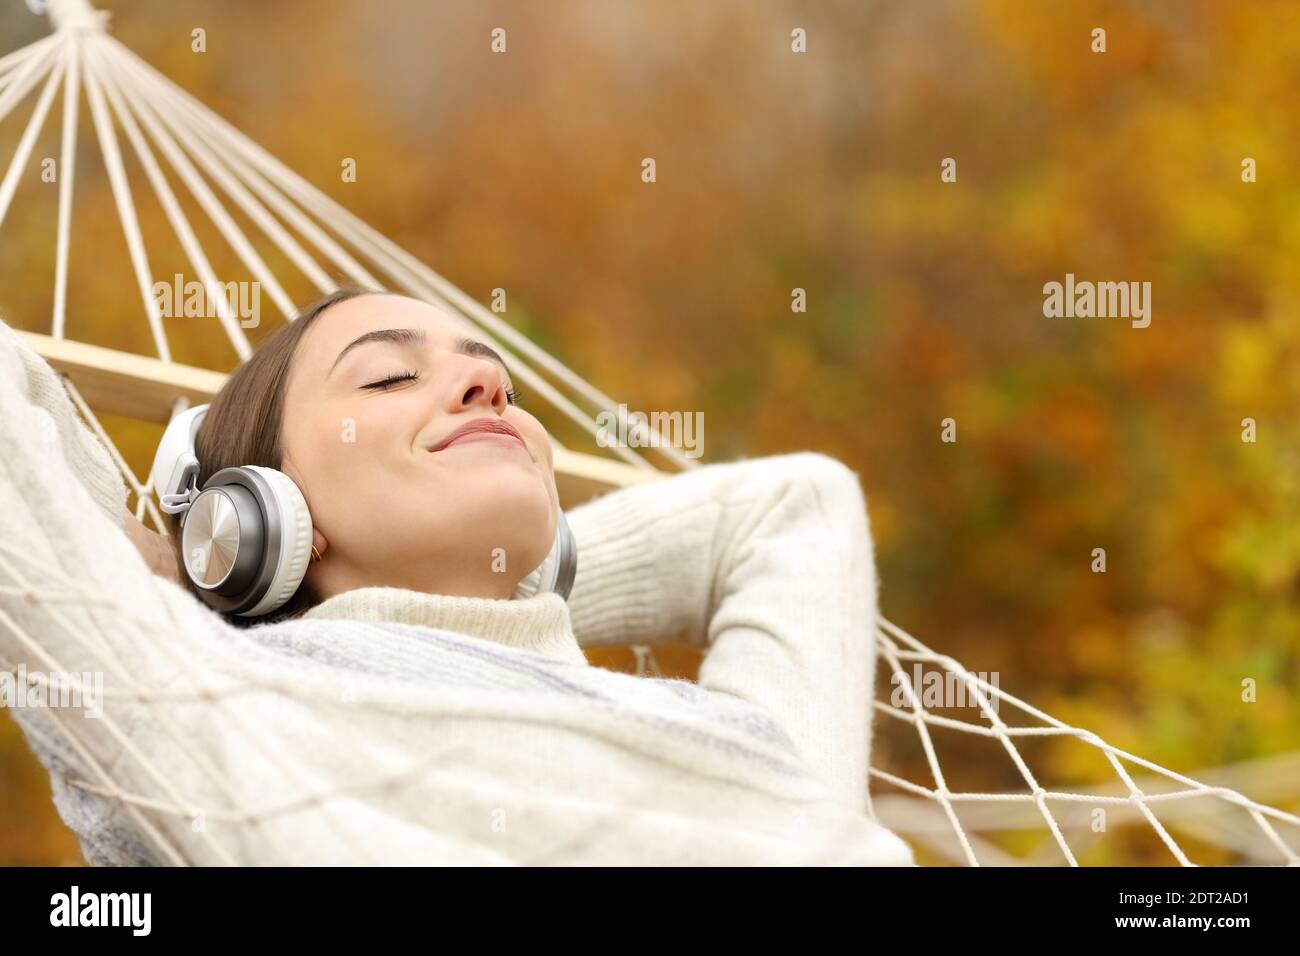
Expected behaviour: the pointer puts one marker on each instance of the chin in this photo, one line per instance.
(516, 512)
(511, 486)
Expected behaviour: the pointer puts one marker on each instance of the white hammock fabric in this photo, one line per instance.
(163, 124)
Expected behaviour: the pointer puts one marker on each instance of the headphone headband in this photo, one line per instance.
(175, 472)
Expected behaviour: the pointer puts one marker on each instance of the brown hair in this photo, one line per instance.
(242, 426)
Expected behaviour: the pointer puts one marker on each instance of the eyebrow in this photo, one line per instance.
(481, 350)
(407, 337)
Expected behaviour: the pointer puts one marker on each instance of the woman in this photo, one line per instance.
(408, 704)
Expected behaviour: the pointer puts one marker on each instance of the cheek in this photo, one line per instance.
(539, 440)
(535, 434)
(342, 467)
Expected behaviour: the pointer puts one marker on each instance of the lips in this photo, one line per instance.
(491, 425)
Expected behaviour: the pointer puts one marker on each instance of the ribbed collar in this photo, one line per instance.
(539, 624)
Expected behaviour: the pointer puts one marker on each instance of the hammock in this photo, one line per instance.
(164, 125)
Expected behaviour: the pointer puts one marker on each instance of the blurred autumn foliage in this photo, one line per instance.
(821, 171)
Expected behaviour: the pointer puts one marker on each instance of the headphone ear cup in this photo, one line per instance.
(246, 540)
(530, 583)
(558, 570)
(294, 551)
(222, 541)
(566, 559)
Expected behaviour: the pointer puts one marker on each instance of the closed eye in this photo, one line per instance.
(386, 383)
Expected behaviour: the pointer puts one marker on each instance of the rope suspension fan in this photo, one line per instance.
(175, 138)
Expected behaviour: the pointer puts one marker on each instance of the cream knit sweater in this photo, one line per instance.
(394, 726)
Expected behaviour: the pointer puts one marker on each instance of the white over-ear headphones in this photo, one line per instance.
(246, 535)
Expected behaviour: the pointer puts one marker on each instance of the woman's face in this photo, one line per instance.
(470, 519)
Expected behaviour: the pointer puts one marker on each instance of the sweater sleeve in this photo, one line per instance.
(66, 566)
(76, 597)
(767, 565)
(60, 427)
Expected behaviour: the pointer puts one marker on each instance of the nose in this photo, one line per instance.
(474, 382)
